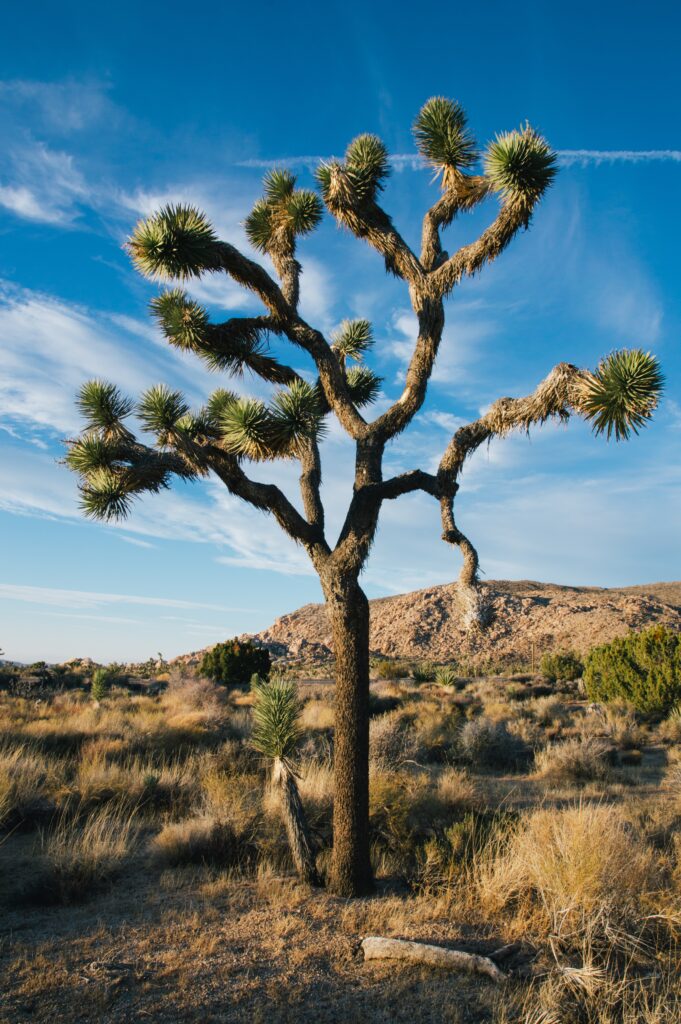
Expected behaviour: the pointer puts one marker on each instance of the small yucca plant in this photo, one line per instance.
(446, 676)
(276, 732)
(100, 684)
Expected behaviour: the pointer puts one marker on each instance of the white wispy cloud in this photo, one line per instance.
(44, 185)
(92, 599)
(414, 162)
(568, 157)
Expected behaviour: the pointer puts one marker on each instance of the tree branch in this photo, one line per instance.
(492, 242)
(560, 393)
(365, 218)
(310, 483)
(269, 498)
(407, 483)
(465, 191)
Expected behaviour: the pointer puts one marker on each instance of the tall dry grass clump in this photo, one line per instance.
(25, 781)
(82, 852)
(575, 874)
(579, 759)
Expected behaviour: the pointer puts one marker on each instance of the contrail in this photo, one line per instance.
(566, 157)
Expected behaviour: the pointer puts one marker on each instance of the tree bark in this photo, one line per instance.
(349, 611)
(293, 812)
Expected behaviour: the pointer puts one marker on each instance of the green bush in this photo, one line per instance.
(561, 667)
(641, 668)
(235, 662)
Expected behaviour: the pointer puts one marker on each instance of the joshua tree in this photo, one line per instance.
(276, 714)
(178, 243)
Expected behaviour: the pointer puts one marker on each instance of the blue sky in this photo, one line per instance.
(107, 114)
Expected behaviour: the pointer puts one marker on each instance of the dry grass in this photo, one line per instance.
(166, 854)
(580, 759)
(577, 874)
(80, 853)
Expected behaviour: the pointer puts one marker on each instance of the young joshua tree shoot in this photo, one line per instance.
(276, 713)
(228, 433)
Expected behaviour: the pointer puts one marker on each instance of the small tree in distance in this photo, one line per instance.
(229, 432)
(235, 662)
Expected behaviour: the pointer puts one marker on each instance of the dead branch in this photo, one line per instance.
(375, 947)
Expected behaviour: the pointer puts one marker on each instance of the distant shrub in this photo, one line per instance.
(641, 668)
(386, 669)
(391, 741)
(201, 840)
(563, 666)
(235, 662)
(580, 759)
(423, 673)
(491, 744)
(101, 684)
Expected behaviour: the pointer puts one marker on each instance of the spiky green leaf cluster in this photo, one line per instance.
(103, 406)
(623, 393)
(520, 166)
(113, 466)
(367, 166)
(247, 429)
(176, 242)
(105, 495)
(183, 321)
(297, 414)
(442, 135)
(276, 717)
(252, 430)
(353, 339)
(231, 347)
(89, 453)
(160, 408)
(283, 213)
(364, 385)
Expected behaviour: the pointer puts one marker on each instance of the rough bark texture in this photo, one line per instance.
(349, 612)
(295, 821)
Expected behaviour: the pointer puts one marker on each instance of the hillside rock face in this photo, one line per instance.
(427, 624)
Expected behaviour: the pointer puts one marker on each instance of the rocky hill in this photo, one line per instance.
(426, 624)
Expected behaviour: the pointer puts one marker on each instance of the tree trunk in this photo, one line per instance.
(349, 611)
(294, 819)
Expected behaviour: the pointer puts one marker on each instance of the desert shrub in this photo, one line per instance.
(317, 715)
(423, 673)
(24, 784)
(202, 840)
(491, 744)
(546, 710)
(580, 759)
(235, 662)
(80, 854)
(670, 728)
(100, 685)
(575, 873)
(380, 704)
(643, 669)
(563, 666)
(436, 730)
(385, 669)
(391, 741)
(445, 858)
